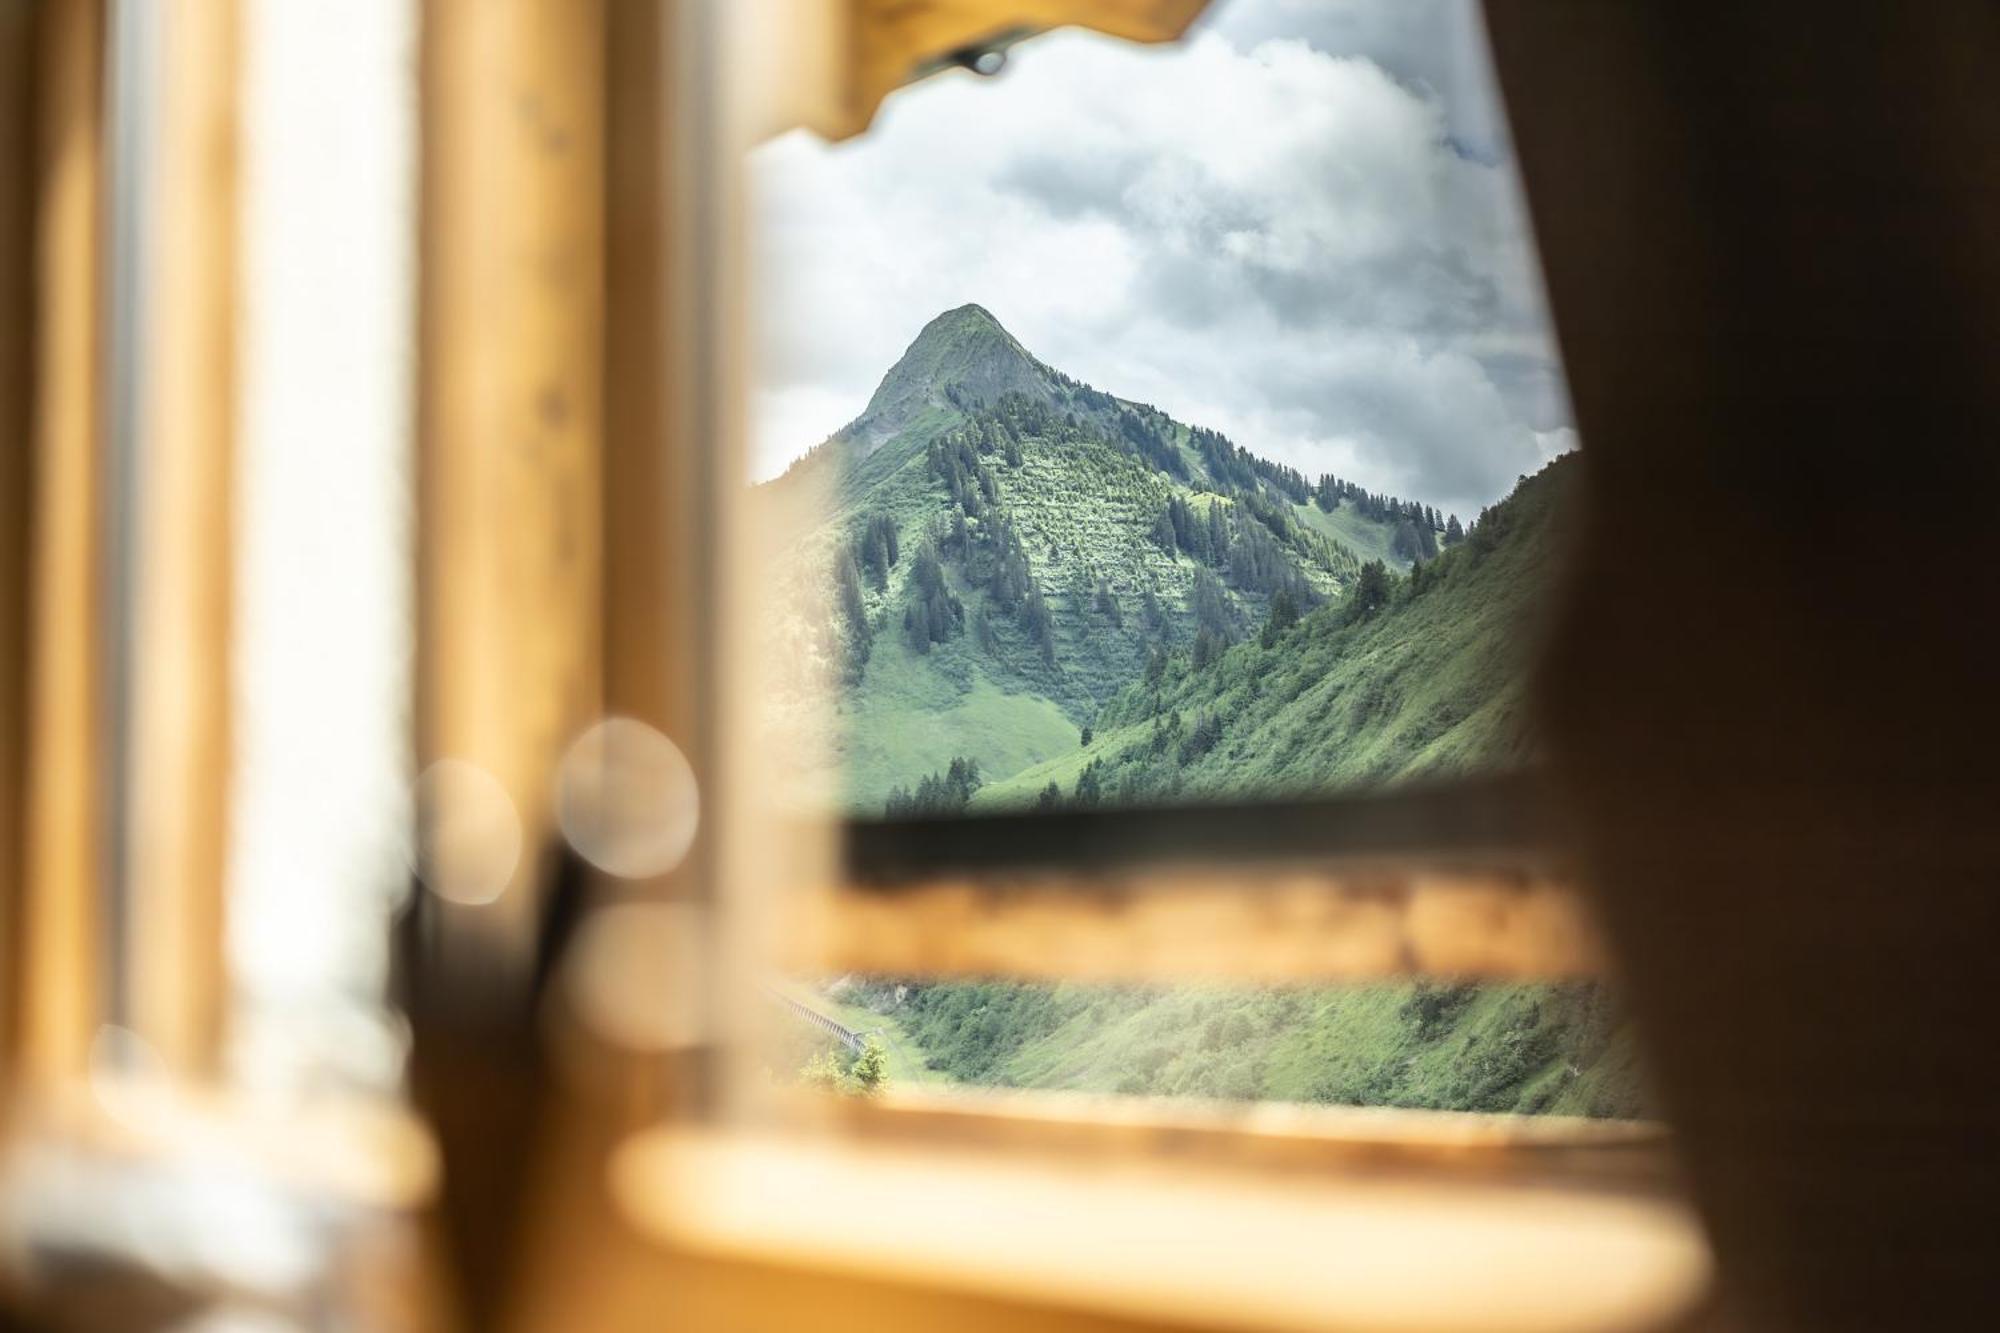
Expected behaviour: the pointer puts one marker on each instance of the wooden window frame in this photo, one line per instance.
(1462, 878)
(580, 417)
(1459, 879)
(1420, 879)
(53, 878)
(1664, 200)
(122, 827)
(567, 577)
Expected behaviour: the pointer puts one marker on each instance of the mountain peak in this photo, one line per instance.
(968, 318)
(964, 352)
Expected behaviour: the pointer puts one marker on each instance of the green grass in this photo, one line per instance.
(914, 714)
(1364, 536)
(1063, 769)
(1512, 1048)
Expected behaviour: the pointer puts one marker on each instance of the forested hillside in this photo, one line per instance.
(1414, 676)
(1046, 595)
(1008, 548)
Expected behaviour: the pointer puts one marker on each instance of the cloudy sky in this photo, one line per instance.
(1300, 227)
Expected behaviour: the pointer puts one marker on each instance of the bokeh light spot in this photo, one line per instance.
(468, 835)
(633, 975)
(627, 800)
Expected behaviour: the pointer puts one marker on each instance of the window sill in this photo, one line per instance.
(1177, 1244)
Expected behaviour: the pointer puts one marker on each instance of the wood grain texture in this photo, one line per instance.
(1173, 1244)
(594, 1268)
(511, 402)
(649, 487)
(827, 64)
(18, 58)
(896, 41)
(62, 842)
(1254, 924)
(511, 502)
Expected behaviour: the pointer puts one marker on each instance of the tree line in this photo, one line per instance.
(945, 793)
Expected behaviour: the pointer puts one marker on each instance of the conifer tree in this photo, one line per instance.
(1107, 605)
(1090, 785)
(848, 588)
(934, 614)
(1036, 620)
(1371, 591)
(1284, 614)
(1211, 606)
(1404, 541)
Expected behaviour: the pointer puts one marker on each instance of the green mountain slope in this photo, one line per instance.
(1427, 685)
(1074, 535)
(1369, 538)
(1017, 557)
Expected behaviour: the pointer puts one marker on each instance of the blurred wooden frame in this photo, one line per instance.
(581, 507)
(582, 366)
(625, 534)
(581, 344)
(878, 46)
(510, 418)
(52, 880)
(118, 905)
(17, 175)
(560, 541)
(1336, 903)
(1457, 879)
(1278, 924)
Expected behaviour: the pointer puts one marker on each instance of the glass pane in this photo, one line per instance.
(1152, 425)
(1199, 413)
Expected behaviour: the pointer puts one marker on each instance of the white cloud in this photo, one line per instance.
(1255, 233)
